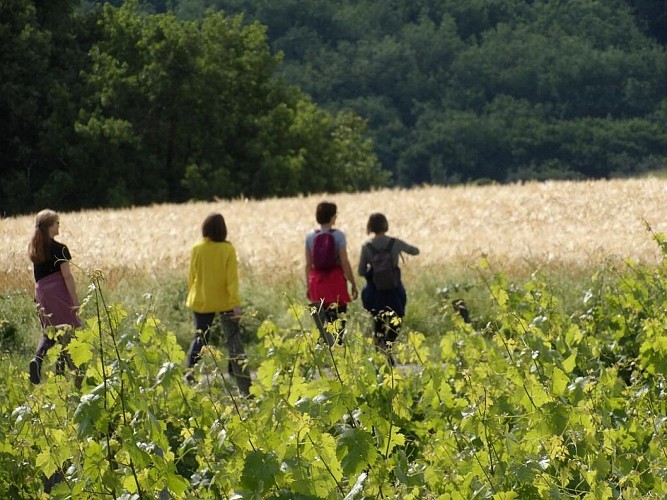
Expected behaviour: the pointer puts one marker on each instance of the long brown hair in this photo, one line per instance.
(39, 244)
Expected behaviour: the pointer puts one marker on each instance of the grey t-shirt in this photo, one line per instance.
(381, 243)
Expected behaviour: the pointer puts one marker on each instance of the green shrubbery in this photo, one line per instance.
(539, 397)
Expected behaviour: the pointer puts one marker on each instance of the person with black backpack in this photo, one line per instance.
(384, 295)
(327, 272)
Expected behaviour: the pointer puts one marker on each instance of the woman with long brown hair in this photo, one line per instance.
(55, 291)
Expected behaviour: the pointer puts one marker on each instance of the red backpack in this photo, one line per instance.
(324, 250)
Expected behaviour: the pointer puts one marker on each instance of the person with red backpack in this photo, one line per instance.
(327, 272)
(384, 295)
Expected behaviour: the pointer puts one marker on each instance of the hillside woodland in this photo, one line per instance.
(132, 103)
(483, 89)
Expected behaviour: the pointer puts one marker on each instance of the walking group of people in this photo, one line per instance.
(213, 287)
(383, 295)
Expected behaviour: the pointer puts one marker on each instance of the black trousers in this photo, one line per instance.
(331, 327)
(208, 331)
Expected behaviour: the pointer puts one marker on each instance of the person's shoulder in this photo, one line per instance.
(201, 244)
(58, 247)
(310, 235)
(338, 234)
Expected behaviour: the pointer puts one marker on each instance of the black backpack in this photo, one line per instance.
(385, 275)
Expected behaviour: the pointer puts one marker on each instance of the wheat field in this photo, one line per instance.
(574, 224)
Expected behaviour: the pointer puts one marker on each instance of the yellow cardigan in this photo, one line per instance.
(213, 283)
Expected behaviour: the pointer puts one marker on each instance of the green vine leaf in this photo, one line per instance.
(80, 347)
(45, 462)
(259, 471)
(356, 449)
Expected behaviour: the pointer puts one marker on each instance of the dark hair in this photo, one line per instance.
(40, 241)
(377, 223)
(325, 212)
(214, 227)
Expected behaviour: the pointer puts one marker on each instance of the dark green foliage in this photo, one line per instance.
(19, 325)
(497, 89)
(8, 335)
(124, 103)
(118, 107)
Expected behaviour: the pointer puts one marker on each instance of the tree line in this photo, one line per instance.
(124, 103)
(483, 89)
(113, 106)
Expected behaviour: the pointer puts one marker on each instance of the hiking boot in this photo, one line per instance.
(35, 369)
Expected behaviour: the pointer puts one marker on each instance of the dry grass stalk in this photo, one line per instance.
(576, 224)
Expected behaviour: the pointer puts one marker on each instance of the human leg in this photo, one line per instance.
(64, 358)
(45, 343)
(238, 363)
(328, 322)
(49, 338)
(319, 315)
(336, 315)
(386, 325)
(332, 323)
(203, 322)
(35, 367)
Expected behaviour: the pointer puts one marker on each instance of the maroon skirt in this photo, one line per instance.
(54, 302)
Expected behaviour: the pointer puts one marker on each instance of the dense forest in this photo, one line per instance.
(122, 103)
(455, 91)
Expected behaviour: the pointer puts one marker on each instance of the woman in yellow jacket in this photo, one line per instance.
(213, 290)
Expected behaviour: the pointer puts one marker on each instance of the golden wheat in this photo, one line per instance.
(563, 223)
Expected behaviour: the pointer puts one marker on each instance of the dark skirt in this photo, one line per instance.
(54, 302)
(376, 301)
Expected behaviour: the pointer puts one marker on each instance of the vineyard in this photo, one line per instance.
(540, 402)
(537, 397)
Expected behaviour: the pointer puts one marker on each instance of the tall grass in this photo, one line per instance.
(563, 229)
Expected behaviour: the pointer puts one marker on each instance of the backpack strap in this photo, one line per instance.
(391, 245)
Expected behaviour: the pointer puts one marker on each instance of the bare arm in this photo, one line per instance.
(309, 264)
(69, 282)
(347, 269)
